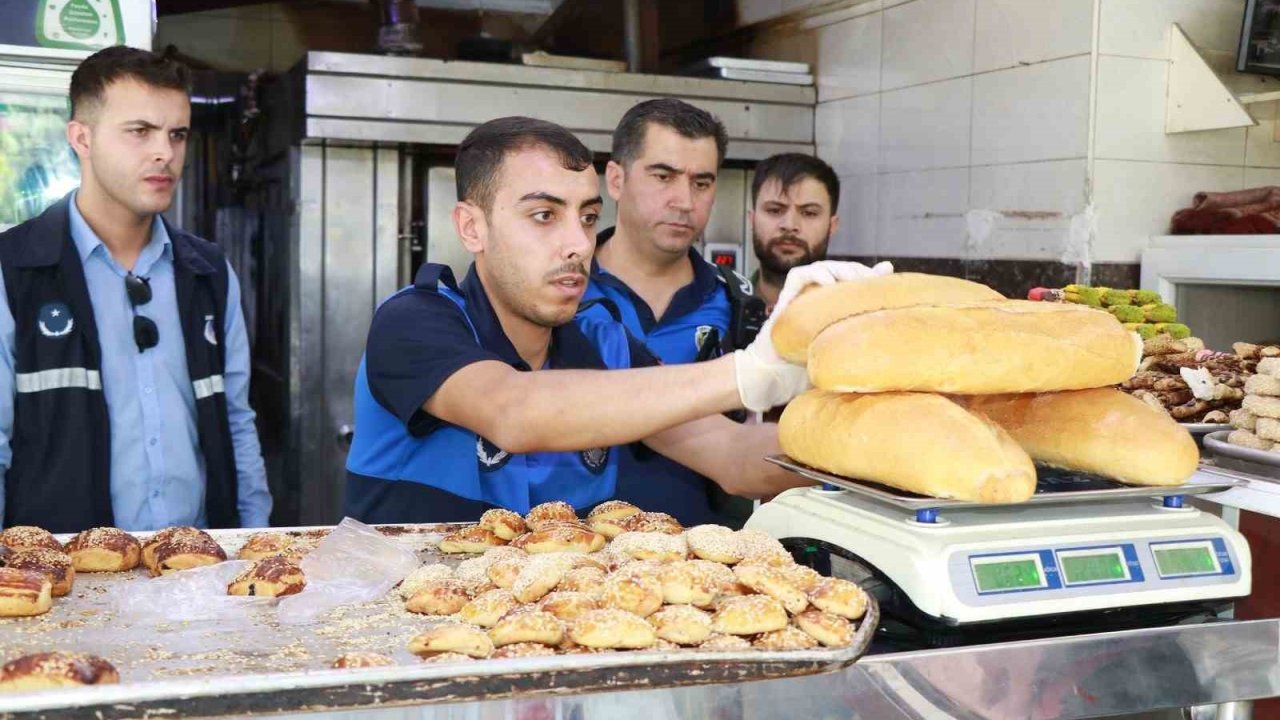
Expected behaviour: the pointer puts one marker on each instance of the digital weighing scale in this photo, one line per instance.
(1083, 551)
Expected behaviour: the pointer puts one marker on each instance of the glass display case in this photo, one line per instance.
(37, 167)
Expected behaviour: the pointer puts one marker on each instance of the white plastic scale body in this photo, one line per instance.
(967, 563)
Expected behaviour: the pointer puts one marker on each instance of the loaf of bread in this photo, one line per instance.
(1013, 346)
(917, 442)
(1101, 431)
(818, 307)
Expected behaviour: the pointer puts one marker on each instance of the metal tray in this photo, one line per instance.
(1217, 442)
(1199, 429)
(214, 670)
(1053, 486)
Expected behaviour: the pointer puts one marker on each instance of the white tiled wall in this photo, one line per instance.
(946, 115)
(1141, 176)
(931, 109)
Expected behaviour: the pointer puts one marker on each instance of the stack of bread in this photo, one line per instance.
(560, 588)
(1257, 422)
(941, 387)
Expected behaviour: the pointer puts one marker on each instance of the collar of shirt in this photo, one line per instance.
(706, 280)
(570, 349)
(87, 243)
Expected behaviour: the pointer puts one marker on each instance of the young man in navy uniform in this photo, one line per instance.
(794, 201)
(124, 362)
(647, 274)
(489, 392)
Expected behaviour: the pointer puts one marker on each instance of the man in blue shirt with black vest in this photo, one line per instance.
(490, 392)
(124, 362)
(648, 274)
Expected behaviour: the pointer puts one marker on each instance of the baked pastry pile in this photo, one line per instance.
(35, 567)
(549, 583)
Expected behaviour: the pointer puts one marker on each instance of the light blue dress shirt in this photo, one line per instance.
(157, 468)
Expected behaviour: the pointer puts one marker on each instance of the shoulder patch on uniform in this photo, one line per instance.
(595, 459)
(54, 320)
(490, 456)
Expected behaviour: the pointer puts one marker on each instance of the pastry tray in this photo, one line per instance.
(1217, 442)
(1205, 428)
(185, 670)
(1052, 486)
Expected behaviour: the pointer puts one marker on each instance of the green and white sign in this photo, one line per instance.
(79, 24)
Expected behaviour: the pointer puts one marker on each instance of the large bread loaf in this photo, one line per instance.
(1100, 431)
(918, 442)
(816, 308)
(1012, 346)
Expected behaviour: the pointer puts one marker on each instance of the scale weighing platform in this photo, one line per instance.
(1080, 544)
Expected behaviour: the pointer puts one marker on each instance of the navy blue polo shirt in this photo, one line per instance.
(691, 329)
(417, 340)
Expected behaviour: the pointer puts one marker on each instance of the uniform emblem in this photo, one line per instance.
(491, 456)
(595, 459)
(209, 334)
(701, 334)
(54, 320)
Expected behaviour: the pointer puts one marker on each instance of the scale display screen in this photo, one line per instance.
(1189, 559)
(1093, 566)
(1017, 573)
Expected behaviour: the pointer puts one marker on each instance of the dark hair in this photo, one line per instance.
(691, 122)
(481, 154)
(790, 168)
(90, 80)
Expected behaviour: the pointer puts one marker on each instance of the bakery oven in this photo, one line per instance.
(359, 192)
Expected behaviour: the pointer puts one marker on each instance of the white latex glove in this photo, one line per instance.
(765, 380)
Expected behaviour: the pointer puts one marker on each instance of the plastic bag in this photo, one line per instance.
(353, 564)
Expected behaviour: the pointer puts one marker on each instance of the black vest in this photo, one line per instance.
(59, 478)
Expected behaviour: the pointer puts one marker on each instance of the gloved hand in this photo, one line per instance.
(765, 380)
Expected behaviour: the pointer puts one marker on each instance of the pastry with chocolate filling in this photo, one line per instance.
(23, 537)
(104, 549)
(24, 593)
(263, 545)
(274, 576)
(150, 544)
(54, 564)
(183, 552)
(46, 671)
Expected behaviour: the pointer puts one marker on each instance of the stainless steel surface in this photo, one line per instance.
(251, 661)
(914, 502)
(443, 245)
(1217, 443)
(1205, 428)
(631, 38)
(1100, 675)
(348, 258)
(366, 98)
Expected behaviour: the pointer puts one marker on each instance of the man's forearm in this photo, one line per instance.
(574, 410)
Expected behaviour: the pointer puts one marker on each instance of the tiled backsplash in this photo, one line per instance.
(942, 116)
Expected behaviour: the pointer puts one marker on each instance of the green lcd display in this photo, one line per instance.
(1185, 561)
(1092, 568)
(1011, 575)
